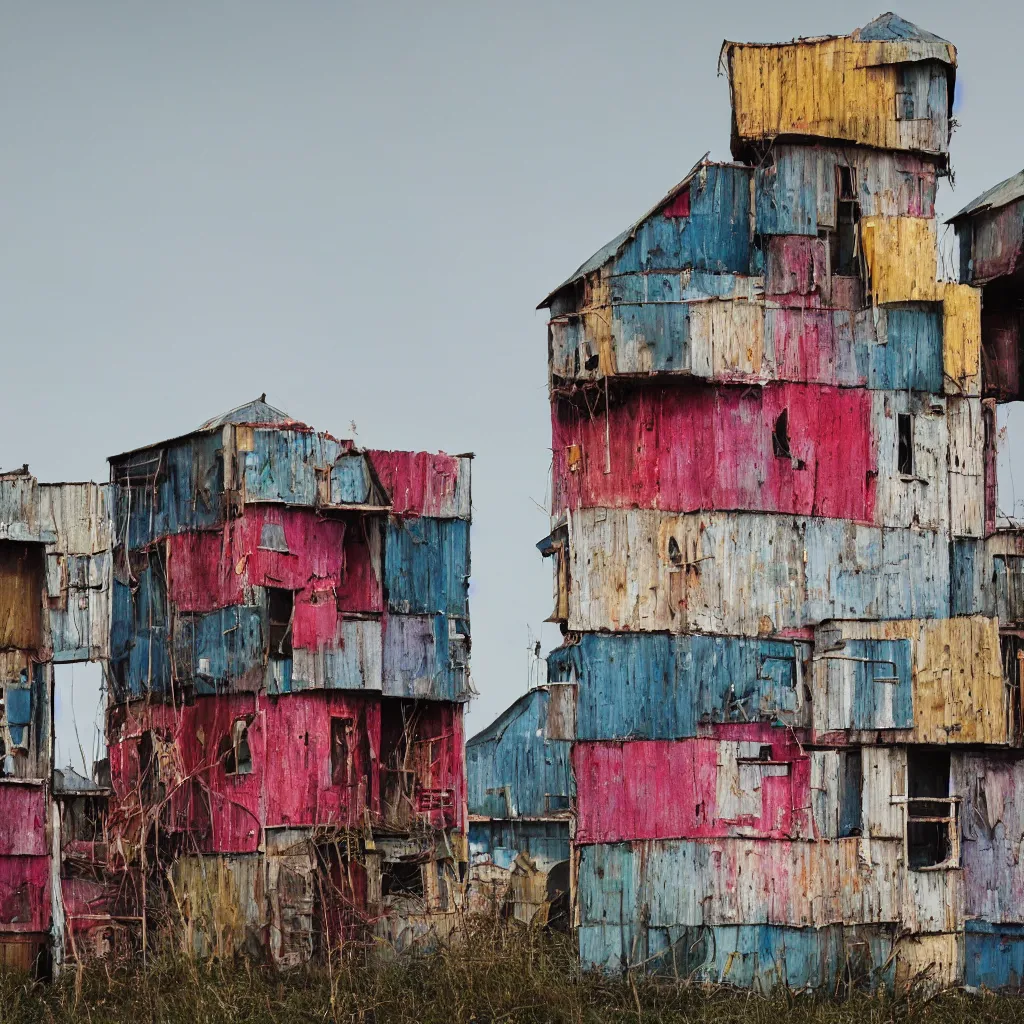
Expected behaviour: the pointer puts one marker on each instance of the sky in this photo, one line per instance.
(356, 208)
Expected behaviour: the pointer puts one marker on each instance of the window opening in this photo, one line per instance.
(851, 783)
(764, 753)
(780, 436)
(342, 750)
(149, 775)
(234, 749)
(556, 802)
(931, 812)
(280, 611)
(843, 250)
(905, 444)
(675, 556)
(401, 878)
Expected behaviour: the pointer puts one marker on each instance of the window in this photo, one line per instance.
(272, 538)
(280, 609)
(556, 802)
(234, 749)
(780, 436)
(932, 836)
(843, 252)
(905, 444)
(851, 784)
(342, 751)
(401, 878)
(675, 556)
(149, 772)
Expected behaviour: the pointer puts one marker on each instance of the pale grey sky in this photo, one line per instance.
(356, 208)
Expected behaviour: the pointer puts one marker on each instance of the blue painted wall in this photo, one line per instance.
(426, 566)
(513, 753)
(656, 686)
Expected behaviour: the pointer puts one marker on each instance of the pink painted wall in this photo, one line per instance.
(24, 894)
(668, 789)
(333, 565)
(419, 483)
(22, 820)
(692, 447)
(292, 782)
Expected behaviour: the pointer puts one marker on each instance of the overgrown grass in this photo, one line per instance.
(511, 977)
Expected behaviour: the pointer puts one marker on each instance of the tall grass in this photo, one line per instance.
(499, 976)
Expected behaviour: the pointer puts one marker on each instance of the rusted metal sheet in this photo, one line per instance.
(748, 781)
(844, 88)
(745, 573)
(937, 680)
(21, 589)
(991, 241)
(425, 484)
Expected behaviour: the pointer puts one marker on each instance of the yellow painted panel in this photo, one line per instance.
(835, 88)
(961, 338)
(901, 258)
(958, 685)
(726, 337)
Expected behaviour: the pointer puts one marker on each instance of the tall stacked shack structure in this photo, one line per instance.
(797, 716)
(283, 619)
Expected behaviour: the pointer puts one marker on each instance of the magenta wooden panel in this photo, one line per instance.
(691, 447)
(675, 789)
(23, 818)
(24, 894)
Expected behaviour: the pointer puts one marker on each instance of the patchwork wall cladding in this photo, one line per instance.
(790, 678)
(283, 623)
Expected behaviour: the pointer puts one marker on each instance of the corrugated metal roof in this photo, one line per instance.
(612, 249)
(256, 411)
(1003, 194)
(891, 27)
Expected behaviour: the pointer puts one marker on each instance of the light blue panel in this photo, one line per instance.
(140, 651)
(230, 640)
(785, 192)
(715, 237)
(545, 842)
(426, 566)
(968, 593)
(188, 492)
(656, 686)
(911, 357)
(871, 698)
(283, 463)
(648, 315)
(859, 572)
(513, 756)
(994, 955)
(423, 659)
(71, 627)
(350, 480)
(18, 705)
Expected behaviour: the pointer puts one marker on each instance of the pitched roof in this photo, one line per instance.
(1003, 194)
(256, 411)
(890, 28)
(616, 245)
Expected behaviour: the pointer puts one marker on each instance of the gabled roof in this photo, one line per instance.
(890, 28)
(256, 411)
(616, 245)
(1003, 194)
(514, 711)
